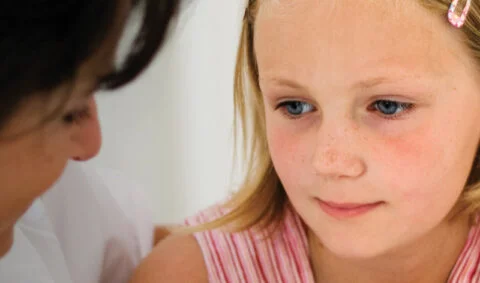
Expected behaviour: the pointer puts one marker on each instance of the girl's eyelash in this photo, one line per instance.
(405, 107)
(77, 116)
(305, 108)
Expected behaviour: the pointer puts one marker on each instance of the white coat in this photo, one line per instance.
(92, 226)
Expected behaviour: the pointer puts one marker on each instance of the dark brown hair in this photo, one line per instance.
(44, 42)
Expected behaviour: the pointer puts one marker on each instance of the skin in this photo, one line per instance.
(33, 155)
(326, 69)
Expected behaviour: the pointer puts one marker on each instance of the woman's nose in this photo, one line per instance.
(87, 136)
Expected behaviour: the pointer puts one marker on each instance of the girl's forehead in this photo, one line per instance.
(350, 21)
(329, 7)
(353, 35)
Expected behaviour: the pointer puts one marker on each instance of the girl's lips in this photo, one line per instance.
(347, 210)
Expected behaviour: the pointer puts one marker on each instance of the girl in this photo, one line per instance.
(362, 120)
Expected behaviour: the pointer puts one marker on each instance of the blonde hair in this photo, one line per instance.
(261, 201)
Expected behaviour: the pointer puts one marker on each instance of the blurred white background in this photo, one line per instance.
(171, 130)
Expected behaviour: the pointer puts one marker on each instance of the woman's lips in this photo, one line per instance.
(347, 210)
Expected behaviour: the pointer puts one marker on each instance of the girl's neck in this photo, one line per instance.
(429, 259)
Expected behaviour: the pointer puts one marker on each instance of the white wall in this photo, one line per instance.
(171, 130)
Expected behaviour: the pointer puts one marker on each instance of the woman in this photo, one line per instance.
(54, 56)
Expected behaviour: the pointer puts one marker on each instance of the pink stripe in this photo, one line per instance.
(293, 260)
(476, 275)
(470, 262)
(215, 264)
(475, 258)
(291, 257)
(210, 237)
(475, 271)
(235, 257)
(297, 250)
(260, 266)
(225, 262)
(273, 261)
(264, 260)
(301, 236)
(464, 265)
(249, 257)
(280, 258)
(205, 247)
(249, 270)
(295, 245)
(298, 233)
(458, 270)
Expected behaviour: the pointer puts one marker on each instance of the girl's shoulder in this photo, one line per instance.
(178, 258)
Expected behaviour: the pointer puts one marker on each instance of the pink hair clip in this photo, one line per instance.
(455, 19)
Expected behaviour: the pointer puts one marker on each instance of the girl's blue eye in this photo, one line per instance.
(390, 107)
(296, 108)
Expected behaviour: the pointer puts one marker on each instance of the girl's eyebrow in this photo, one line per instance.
(393, 70)
(374, 81)
(370, 82)
(283, 82)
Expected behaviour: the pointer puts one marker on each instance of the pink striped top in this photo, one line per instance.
(248, 257)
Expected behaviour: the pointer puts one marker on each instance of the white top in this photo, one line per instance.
(92, 226)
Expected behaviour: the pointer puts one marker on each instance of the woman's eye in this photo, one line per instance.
(76, 116)
(296, 108)
(390, 108)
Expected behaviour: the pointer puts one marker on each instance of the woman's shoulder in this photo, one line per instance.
(178, 258)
